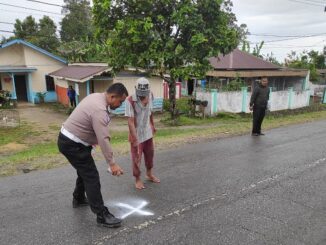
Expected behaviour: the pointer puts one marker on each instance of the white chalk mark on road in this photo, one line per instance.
(133, 210)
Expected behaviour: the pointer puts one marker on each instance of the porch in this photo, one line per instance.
(18, 81)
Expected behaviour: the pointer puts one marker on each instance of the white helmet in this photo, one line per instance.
(142, 87)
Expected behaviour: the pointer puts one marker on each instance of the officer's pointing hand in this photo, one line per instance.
(116, 170)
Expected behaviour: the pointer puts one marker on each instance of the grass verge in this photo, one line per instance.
(46, 155)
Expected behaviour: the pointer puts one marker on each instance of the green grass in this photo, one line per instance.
(46, 155)
(18, 134)
(33, 152)
(54, 127)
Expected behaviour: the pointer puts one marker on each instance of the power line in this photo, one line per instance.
(8, 23)
(289, 39)
(6, 31)
(28, 13)
(51, 4)
(288, 36)
(316, 1)
(312, 1)
(307, 3)
(319, 43)
(296, 47)
(16, 6)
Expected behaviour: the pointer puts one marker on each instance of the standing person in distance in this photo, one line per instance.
(258, 104)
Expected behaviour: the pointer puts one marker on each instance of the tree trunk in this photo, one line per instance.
(172, 98)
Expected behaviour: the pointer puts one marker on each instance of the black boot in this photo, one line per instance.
(106, 219)
(76, 203)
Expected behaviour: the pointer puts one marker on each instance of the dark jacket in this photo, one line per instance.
(260, 96)
(71, 93)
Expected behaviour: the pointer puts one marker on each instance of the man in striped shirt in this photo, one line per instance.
(139, 110)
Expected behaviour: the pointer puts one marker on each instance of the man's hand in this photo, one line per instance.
(116, 170)
(134, 143)
(251, 108)
(153, 130)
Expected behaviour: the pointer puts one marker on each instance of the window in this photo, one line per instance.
(49, 83)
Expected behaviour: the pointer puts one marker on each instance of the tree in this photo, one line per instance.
(166, 36)
(243, 32)
(76, 25)
(235, 84)
(256, 51)
(73, 51)
(272, 59)
(81, 51)
(42, 34)
(47, 37)
(318, 59)
(26, 29)
(305, 60)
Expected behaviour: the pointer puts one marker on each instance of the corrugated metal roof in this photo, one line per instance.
(79, 72)
(239, 60)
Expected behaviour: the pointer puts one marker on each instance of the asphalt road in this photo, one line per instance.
(241, 190)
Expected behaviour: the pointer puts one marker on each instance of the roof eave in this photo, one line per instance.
(20, 41)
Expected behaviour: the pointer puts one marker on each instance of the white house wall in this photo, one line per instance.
(61, 83)
(12, 56)
(44, 66)
(130, 82)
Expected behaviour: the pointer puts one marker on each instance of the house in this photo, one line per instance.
(24, 71)
(289, 87)
(250, 69)
(87, 78)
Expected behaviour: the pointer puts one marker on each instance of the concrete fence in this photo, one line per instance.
(157, 107)
(238, 101)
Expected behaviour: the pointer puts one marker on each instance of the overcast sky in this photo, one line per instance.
(287, 19)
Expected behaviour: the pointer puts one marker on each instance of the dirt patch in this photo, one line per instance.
(12, 147)
(41, 117)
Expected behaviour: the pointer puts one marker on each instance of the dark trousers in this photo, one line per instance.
(258, 117)
(72, 102)
(88, 179)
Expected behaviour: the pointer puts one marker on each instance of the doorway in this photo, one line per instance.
(191, 84)
(21, 87)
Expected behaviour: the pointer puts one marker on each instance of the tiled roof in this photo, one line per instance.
(239, 60)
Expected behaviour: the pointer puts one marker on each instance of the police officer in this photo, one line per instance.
(87, 126)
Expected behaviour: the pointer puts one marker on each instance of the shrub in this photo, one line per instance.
(5, 100)
(41, 97)
(183, 105)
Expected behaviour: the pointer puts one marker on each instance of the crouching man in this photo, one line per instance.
(87, 126)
